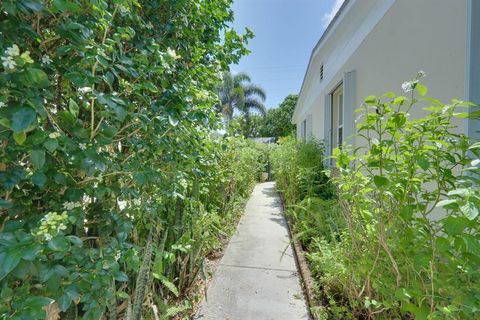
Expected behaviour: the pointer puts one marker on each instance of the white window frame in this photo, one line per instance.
(337, 115)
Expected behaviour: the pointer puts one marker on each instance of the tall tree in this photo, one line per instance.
(237, 92)
(278, 121)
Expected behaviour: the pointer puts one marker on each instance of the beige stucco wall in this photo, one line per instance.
(412, 35)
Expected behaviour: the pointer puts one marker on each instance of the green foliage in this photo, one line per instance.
(416, 258)
(298, 169)
(237, 93)
(276, 123)
(106, 110)
(402, 240)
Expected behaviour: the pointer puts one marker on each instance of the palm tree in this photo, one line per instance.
(238, 93)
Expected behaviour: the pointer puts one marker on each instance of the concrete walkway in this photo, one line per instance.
(254, 281)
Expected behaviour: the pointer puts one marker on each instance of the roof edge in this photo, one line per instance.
(324, 35)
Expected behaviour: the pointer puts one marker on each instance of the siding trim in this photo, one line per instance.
(472, 67)
(349, 106)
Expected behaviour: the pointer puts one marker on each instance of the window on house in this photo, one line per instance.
(337, 117)
(304, 129)
(321, 72)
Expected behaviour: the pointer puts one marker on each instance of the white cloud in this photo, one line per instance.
(327, 17)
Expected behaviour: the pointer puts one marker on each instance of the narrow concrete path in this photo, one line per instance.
(257, 278)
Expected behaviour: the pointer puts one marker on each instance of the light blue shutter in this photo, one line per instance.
(327, 126)
(349, 107)
(473, 66)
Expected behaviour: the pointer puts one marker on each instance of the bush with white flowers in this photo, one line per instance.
(103, 103)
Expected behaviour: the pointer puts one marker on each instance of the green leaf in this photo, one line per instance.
(64, 5)
(442, 244)
(449, 203)
(74, 108)
(37, 302)
(11, 260)
(33, 5)
(122, 295)
(51, 144)
(463, 192)
(19, 137)
(38, 158)
(455, 225)
(423, 163)
(75, 240)
(470, 210)
(169, 285)
(39, 179)
(64, 302)
(36, 78)
(22, 119)
(421, 89)
(58, 244)
(5, 204)
(173, 121)
(5, 122)
(120, 276)
(380, 181)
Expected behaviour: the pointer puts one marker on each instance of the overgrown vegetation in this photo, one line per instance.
(404, 239)
(112, 191)
(275, 123)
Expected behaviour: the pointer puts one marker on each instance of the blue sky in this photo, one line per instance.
(285, 33)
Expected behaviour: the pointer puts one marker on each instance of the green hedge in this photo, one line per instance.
(112, 191)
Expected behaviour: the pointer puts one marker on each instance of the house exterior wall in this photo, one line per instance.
(387, 42)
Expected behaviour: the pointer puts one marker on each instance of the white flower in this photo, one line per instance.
(54, 135)
(149, 26)
(122, 204)
(123, 9)
(13, 51)
(82, 146)
(48, 236)
(118, 255)
(8, 63)
(358, 118)
(421, 74)
(46, 59)
(84, 89)
(137, 202)
(408, 86)
(172, 53)
(2, 104)
(87, 199)
(71, 205)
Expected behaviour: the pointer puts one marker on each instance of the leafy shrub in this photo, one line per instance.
(411, 200)
(107, 169)
(315, 219)
(406, 243)
(298, 169)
